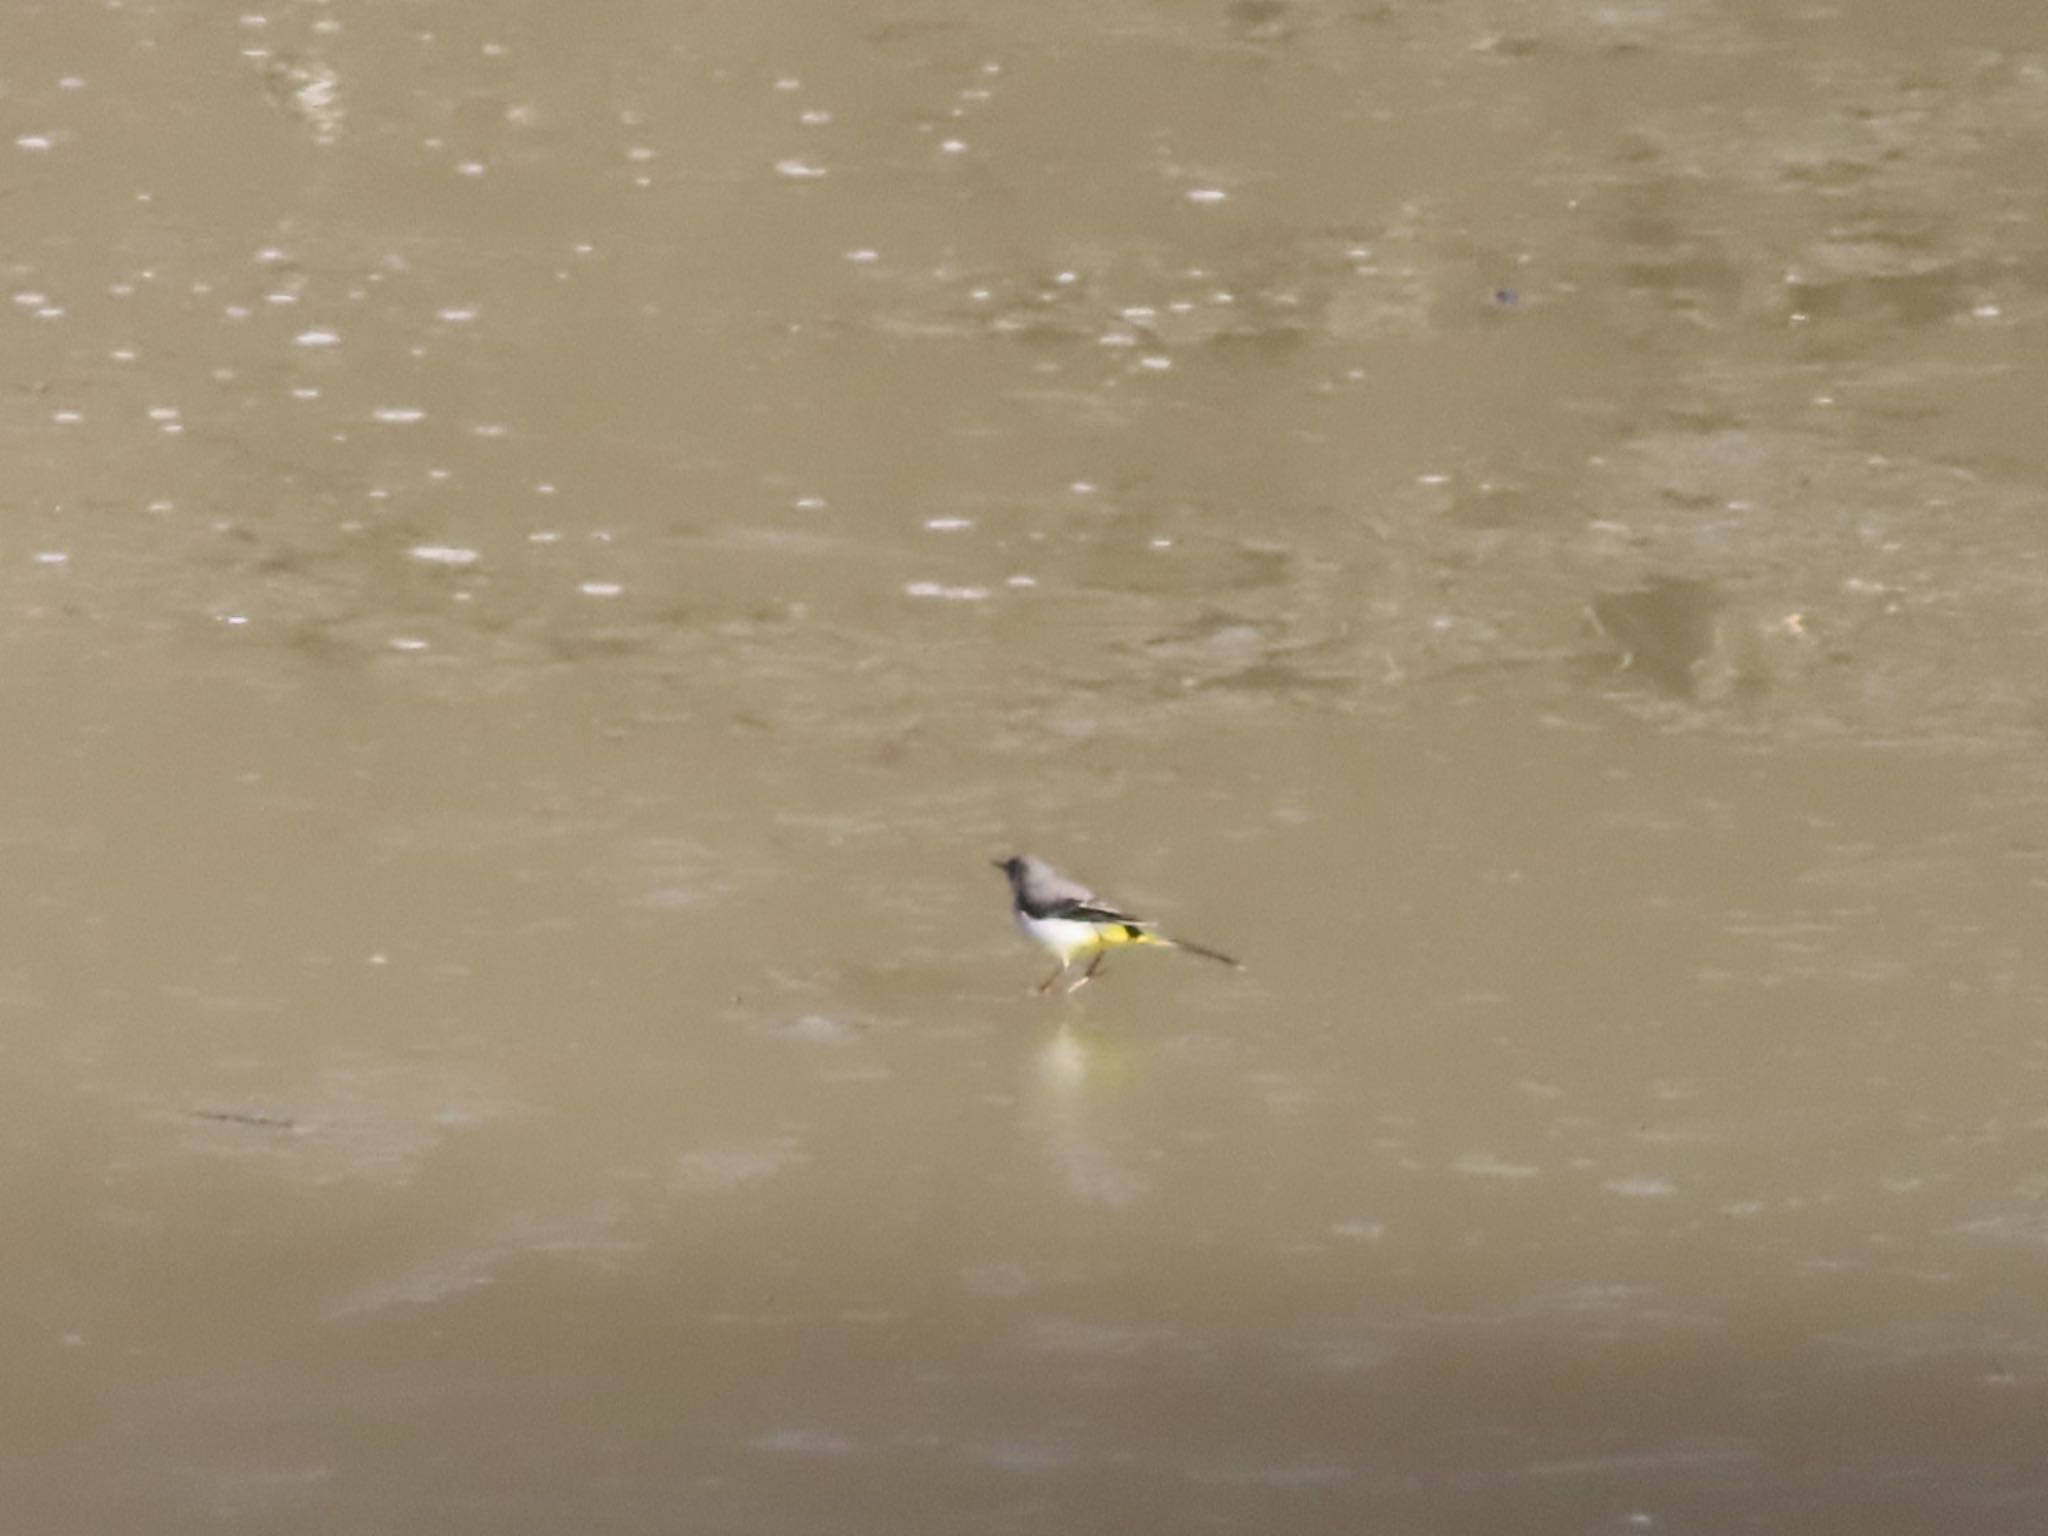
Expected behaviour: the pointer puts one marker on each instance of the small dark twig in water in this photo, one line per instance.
(248, 1118)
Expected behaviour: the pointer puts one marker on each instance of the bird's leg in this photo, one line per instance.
(1045, 986)
(1089, 974)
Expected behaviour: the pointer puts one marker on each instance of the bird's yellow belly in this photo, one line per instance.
(1067, 938)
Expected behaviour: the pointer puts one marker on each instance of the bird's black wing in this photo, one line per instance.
(1096, 912)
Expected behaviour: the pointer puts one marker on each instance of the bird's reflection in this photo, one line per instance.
(1065, 1059)
(1071, 1103)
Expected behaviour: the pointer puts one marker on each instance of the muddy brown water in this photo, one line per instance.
(544, 549)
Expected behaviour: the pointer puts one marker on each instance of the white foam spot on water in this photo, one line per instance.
(317, 339)
(444, 554)
(52, 557)
(734, 1165)
(1206, 194)
(799, 170)
(1024, 1457)
(812, 1029)
(600, 589)
(945, 593)
(398, 415)
(34, 142)
(948, 524)
(1641, 1187)
(405, 643)
(803, 1442)
(1020, 581)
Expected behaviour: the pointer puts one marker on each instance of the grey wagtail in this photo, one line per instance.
(1065, 917)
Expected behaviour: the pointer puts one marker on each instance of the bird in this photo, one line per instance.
(1065, 917)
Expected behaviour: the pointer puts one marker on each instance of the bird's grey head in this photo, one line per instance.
(1019, 867)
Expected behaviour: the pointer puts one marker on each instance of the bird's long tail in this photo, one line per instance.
(1200, 949)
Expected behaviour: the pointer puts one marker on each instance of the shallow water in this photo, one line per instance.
(545, 551)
